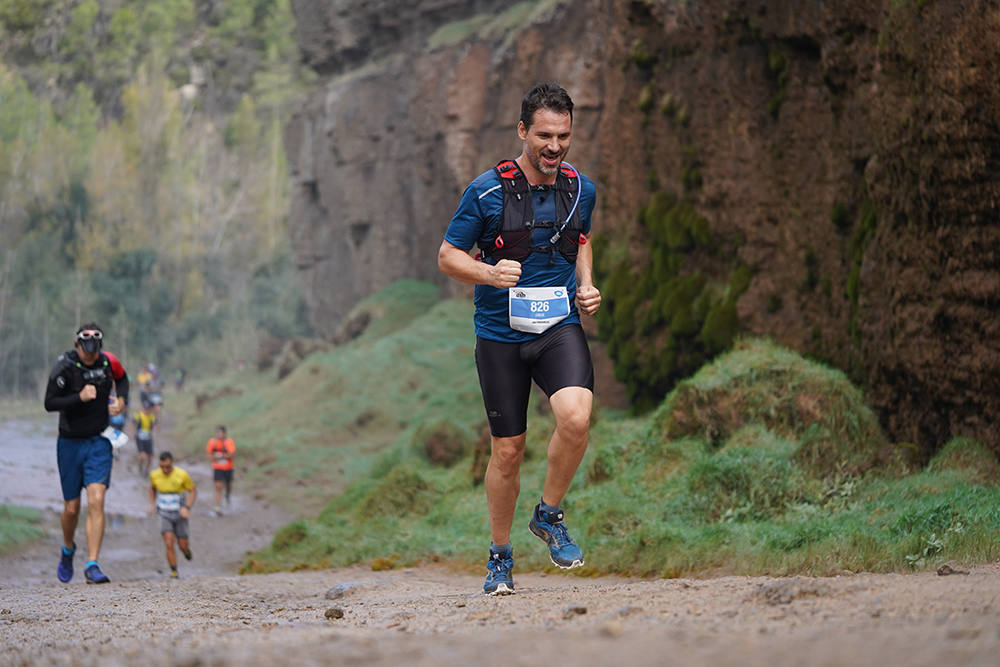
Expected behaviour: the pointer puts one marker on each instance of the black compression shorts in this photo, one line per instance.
(558, 358)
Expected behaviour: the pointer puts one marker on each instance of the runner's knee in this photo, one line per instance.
(507, 453)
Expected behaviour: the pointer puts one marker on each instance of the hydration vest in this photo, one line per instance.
(516, 237)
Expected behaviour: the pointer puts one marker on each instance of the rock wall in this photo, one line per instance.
(848, 150)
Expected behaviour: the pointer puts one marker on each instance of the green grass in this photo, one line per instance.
(301, 439)
(484, 26)
(17, 526)
(763, 462)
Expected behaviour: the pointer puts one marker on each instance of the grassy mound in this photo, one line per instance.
(759, 383)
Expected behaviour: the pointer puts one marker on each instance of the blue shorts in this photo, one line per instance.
(83, 461)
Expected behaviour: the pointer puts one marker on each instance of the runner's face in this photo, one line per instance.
(546, 142)
(167, 466)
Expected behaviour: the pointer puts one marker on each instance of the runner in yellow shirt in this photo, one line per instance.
(145, 421)
(172, 494)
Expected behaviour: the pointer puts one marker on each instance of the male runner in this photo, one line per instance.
(145, 421)
(78, 389)
(172, 494)
(530, 218)
(221, 450)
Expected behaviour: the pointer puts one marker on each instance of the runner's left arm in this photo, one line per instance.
(588, 297)
(120, 377)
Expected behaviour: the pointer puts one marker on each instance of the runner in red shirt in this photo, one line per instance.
(221, 450)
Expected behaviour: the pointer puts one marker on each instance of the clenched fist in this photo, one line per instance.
(505, 273)
(588, 299)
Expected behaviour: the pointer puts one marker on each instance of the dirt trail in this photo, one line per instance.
(433, 616)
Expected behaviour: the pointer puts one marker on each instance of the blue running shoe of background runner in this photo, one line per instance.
(499, 577)
(65, 569)
(94, 575)
(549, 527)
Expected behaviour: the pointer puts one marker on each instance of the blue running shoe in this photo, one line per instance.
(499, 580)
(549, 527)
(93, 575)
(65, 569)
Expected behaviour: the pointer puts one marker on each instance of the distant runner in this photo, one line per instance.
(221, 450)
(172, 494)
(79, 388)
(144, 422)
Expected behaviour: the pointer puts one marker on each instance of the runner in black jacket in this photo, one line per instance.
(79, 389)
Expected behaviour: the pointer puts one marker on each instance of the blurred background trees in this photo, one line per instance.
(142, 180)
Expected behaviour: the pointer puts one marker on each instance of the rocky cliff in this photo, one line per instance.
(848, 152)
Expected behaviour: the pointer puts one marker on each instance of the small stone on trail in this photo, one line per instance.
(574, 610)
(340, 590)
(950, 568)
(334, 612)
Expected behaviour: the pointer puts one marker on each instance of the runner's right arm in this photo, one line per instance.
(57, 396)
(458, 264)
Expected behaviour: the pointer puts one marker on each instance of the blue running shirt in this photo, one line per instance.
(478, 220)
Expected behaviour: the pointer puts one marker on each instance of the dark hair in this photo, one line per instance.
(549, 96)
(166, 455)
(220, 427)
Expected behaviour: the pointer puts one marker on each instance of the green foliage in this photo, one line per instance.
(840, 217)
(23, 15)
(646, 98)
(662, 319)
(859, 242)
(641, 56)
(17, 526)
(143, 217)
(483, 26)
(811, 262)
(777, 67)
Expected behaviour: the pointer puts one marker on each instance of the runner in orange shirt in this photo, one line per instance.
(221, 450)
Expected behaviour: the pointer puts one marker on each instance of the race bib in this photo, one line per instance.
(144, 434)
(168, 502)
(535, 309)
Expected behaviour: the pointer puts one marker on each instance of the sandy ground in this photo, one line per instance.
(434, 616)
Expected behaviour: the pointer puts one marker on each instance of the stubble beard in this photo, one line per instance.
(536, 162)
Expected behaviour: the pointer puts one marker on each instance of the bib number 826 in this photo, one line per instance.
(539, 306)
